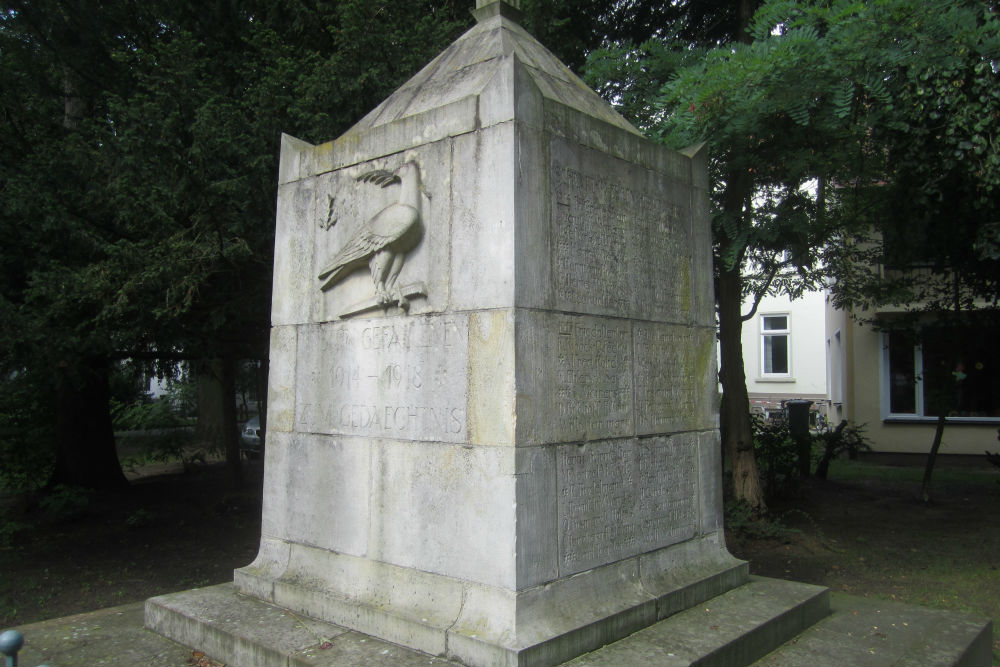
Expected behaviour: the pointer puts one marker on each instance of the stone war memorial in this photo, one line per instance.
(492, 424)
(492, 421)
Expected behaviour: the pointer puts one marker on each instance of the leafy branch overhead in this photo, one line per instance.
(891, 105)
(843, 135)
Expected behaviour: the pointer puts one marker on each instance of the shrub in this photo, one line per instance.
(143, 415)
(66, 502)
(844, 439)
(777, 456)
(27, 432)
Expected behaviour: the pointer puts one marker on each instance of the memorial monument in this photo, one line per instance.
(492, 421)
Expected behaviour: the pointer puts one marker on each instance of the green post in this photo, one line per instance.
(798, 426)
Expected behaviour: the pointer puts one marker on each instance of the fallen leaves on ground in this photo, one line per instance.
(199, 659)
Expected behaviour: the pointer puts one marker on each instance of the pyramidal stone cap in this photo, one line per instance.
(463, 89)
(470, 63)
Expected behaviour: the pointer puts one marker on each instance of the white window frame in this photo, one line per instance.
(765, 333)
(835, 368)
(885, 382)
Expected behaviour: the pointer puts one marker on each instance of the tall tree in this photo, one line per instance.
(139, 176)
(809, 94)
(930, 224)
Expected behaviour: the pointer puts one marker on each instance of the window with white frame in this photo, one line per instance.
(775, 345)
(954, 370)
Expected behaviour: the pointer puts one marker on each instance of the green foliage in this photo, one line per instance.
(65, 502)
(899, 98)
(144, 415)
(138, 172)
(777, 452)
(26, 432)
(9, 530)
(777, 456)
(744, 522)
(845, 438)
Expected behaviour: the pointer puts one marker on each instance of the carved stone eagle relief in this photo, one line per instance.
(383, 241)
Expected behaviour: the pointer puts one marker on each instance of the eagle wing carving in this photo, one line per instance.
(388, 226)
(384, 239)
(379, 177)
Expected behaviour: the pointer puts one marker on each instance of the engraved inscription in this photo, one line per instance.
(589, 364)
(625, 498)
(405, 379)
(617, 249)
(666, 378)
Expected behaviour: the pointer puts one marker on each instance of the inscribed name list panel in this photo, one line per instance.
(621, 238)
(403, 378)
(621, 498)
(674, 378)
(574, 378)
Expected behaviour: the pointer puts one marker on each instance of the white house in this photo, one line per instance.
(784, 354)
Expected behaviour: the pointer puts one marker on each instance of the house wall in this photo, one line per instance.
(838, 340)
(862, 398)
(807, 376)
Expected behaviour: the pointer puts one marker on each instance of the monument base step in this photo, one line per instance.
(735, 628)
(739, 628)
(743, 625)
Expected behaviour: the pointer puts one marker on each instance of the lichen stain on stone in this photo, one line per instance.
(283, 420)
(490, 375)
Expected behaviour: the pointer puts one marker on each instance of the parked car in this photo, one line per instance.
(252, 438)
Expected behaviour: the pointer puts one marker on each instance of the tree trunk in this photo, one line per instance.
(210, 426)
(734, 414)
(230, 432)
(734, 411)
(925, 486)
(830, 450)
(217, 413)
(85, 440)
(944, 404)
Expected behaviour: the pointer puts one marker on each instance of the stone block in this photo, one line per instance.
(622, 498)
(281, 379)
(384, 378)
(483, 206)
(318, 493)
(574, 377)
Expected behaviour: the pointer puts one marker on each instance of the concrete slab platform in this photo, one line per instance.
(860, 632)
(240, 630)
(113, 636)
(864, 632)
(731, 629)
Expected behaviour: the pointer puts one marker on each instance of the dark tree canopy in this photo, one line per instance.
(139, 175)
(138, 178)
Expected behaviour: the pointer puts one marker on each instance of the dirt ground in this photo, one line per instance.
(176, 531)
(875, 538)
(168, 532)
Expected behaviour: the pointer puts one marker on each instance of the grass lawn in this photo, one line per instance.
(865, 532)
